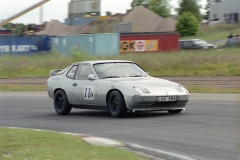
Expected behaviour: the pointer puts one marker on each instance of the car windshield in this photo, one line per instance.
(116, 70)
(200, 42)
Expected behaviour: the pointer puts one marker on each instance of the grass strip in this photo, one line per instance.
(223, 62)
(22, 144)
(216, 32)
(20, 87)
(212, 89)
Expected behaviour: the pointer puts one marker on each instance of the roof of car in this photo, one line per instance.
(191, 40)
(236, 37)
(105, 61)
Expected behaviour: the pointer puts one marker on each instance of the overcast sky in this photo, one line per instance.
(58, 9)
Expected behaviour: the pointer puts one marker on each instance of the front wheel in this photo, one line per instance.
(174, 111)
(61, 104)
(116, 104)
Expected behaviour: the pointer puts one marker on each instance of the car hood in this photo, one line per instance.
(155, 86)
(210, 45)
(207, 45)
(145, 82)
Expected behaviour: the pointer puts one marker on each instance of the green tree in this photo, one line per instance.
(109, 13)
(18, 28)
(45, 23)
(140, 2)
(8, 26)
(187, 24)
(160, 7)
(190, 6)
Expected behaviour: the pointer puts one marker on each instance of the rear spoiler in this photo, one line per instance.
(54, 72)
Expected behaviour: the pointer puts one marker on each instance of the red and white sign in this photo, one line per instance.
(140, 45)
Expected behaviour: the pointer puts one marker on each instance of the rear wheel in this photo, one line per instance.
(174, 111)
(116, 104)
(61, 104)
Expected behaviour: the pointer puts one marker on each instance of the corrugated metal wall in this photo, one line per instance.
(56, 43)
(76, 43)
(78, 21)
(106, 44)
(149, 42)
(24, 44)
(94, 44)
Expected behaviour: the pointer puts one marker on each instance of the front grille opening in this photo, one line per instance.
(163, 104)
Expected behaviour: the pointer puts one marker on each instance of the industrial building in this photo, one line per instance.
(81, 12)
(4, 31)
(227, 10)
(82, 8)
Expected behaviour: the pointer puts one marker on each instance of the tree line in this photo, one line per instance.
(188, 12)
(20, 28)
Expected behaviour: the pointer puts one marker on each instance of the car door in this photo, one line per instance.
(84, 91)
(186, 45)
(191, 45)
(66, 84)
(196, 46)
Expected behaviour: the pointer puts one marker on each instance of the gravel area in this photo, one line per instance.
(213, 81)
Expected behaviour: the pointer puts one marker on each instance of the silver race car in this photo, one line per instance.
(114, 85)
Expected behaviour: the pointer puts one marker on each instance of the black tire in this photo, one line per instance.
(61, 104)
(175, 111)
(116, 104)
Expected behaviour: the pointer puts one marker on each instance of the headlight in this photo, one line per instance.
(144, 90)
(179, 89)
(182, 89)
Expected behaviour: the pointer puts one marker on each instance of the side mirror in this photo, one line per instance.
(52, 73)
(91, 77)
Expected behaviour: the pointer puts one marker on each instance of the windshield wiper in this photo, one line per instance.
(110, 77)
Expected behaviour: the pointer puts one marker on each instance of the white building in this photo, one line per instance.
(228, 10)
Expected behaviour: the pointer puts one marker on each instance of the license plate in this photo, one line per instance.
(167, 98)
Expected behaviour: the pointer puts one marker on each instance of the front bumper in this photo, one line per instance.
(150, 103)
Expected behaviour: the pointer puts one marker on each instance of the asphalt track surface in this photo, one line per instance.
(209, 128)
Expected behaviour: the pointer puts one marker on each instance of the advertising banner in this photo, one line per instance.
(138, 45)
(24, 44)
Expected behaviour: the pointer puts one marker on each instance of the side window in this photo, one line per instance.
(83, 72)
(190, 43)
(71, 72)
(237, 40)
(185, 44)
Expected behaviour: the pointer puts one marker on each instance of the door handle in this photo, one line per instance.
(74, 84)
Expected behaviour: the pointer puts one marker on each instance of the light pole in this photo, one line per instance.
(41, 14)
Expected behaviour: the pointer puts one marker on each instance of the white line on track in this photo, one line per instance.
(172, 155)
